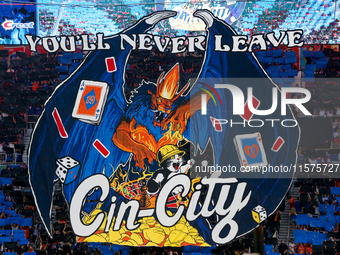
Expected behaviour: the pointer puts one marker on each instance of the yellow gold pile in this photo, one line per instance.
(149, 233)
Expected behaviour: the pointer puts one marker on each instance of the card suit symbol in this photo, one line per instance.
(90, 99)
(251, 151)
(259, 139)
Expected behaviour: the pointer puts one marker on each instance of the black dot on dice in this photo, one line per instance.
(61, 160)
(64, 171)
(68, 165)
(68, 158)
(62, 178)
(68, 162)
(60, 168)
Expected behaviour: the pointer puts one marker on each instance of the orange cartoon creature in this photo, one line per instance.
(158, 115)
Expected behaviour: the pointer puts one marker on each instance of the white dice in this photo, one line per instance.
(67, 169)
(259, 214)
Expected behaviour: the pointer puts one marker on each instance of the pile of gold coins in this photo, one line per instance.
(149, 233)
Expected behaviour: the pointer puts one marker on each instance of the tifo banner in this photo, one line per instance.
(229, 11)
(171, 163)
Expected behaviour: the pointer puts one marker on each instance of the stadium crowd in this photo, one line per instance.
(26, 81)
(257, 17)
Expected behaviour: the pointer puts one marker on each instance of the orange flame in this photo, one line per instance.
(168, 86)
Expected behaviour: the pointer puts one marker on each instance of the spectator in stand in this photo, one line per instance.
(309, 59)
(277, 220)
(291, 202)
(297, 205)
(293, 217)
(325, 199)
(309, 249)
(36, 230)
(283, 248)
(291, 247)
(301, 248)
(301, 158)
(336, 136)
(312, 160)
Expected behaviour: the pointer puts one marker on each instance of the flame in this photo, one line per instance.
(118, 187)
(168, 86)
(170, 137)
(118, 174)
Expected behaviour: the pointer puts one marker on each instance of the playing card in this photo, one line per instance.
(90, 101)
(101, 148)
(250, 150)
(110, 64)
(278, 144)
(247, 113)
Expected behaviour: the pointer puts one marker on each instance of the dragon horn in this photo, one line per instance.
(182, 91)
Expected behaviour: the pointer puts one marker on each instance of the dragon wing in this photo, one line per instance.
(243, 70)
(47, 145)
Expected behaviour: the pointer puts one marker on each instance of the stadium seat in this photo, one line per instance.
(319, 54)
(275, 68)
(5, 181)
(73, 66)
(260, 54)
(309, 73)
(311, 67)
(268, 248)
(322, 63)
(290, 60)
(11, 212)
(30, 253)
(269, 53)
(206, 250)
(308, 53)
(23, 241)
(292, 73)
(302, 219)
(65, 60)
(8, 204)
(77, 56)
(5, 239)
(279, 60)
(19, 233)
(286, 67)
(116, 247)
(63, 77)
(290, 54)
(277, 53)
(9, 253)
(4, 232)
(25, 222)
(125, 251)
(62, 69)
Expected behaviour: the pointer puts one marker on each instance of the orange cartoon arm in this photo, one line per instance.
(123, 140)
